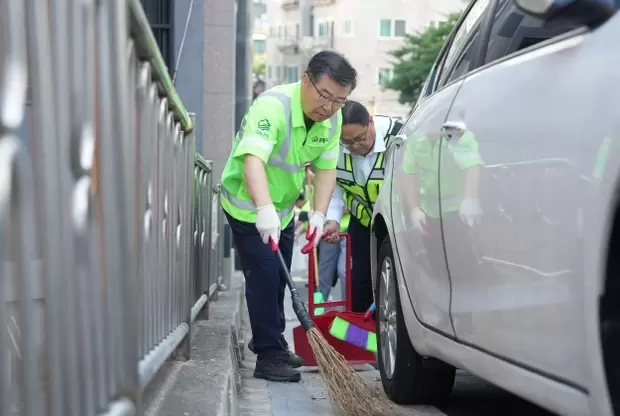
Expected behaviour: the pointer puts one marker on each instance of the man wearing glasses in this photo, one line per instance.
(285, 128)
(364, 140)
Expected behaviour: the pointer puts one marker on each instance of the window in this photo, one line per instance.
(347, 28)
(457, 59)
(385, 27)
(297, 30)
(279, 32)
(385, 76)
(272, 32)
(291, 74)
(269, 74)
(392, 28)
(512, 31)
(260, 46)
(278, 73)
(322, 29)
(400, 28)
(159, 14)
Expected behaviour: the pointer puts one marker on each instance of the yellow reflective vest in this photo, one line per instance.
(360, 199)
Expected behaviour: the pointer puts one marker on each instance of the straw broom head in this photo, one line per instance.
(348, 392)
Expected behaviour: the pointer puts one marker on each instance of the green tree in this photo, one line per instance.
(259, 64)
(415, 58)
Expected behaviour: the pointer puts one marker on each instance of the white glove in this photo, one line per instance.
(268, 223)
(470, 211)
(418, 217)
(316, 225)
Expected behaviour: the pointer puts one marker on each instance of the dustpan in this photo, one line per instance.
(354, 355)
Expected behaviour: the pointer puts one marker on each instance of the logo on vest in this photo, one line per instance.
(321, 140)
(264, 125)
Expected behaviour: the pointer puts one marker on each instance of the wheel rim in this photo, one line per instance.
(387, 318)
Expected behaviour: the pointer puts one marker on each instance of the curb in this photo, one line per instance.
(230, 397)
(207, 384)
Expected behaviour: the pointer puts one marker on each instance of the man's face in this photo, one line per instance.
(357, 138)
(322, 99)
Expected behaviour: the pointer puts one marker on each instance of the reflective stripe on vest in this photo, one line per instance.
(243, 204)
(358, 208)
(279, 159)
(361, 198)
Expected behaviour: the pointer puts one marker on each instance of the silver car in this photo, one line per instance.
(496, 245)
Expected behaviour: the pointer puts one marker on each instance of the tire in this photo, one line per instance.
(408, 380)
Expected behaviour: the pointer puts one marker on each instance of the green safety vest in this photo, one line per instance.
(274, 130)
(457, 155)
(360, 199)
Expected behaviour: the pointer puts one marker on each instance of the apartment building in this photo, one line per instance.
(364, 31)
(259, 27)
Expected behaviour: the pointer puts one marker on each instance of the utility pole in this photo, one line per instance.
(243, 60)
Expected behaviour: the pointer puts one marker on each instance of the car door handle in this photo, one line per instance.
(398, 140)
(451, 127)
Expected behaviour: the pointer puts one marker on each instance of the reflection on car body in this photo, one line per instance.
(491, 231)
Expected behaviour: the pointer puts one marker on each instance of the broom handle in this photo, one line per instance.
(298, 305)
(314, 250)
(316, 269)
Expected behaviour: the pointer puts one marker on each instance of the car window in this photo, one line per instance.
(427, 89)
(460, 54)
(513, 31)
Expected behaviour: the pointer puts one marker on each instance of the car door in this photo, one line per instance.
(517, 273)
(415, 186)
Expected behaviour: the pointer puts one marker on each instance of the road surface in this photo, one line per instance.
(471, 396)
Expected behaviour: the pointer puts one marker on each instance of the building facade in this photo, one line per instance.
(197, 41)
(364, 31)
(259, 42)
(259, 27)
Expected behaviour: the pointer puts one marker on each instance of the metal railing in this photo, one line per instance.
(109, 223)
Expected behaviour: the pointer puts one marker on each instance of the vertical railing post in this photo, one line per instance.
(204, 274)
(228, 258)
(215, 258)
(220, 241)
(119, 241)
(183, 351)
(43, 147)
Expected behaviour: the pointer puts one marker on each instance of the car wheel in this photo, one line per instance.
(405, 378)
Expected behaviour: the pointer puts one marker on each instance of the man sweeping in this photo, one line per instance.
(364, 140)
(285, 128)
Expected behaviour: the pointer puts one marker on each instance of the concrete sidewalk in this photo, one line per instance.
(206, 385)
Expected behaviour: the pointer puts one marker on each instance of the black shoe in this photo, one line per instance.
(276, 368)
(294, 360)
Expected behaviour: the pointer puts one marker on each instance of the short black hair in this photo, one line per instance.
(354, 112)
(301, 197)
(335, 66)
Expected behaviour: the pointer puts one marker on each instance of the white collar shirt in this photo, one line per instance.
(362, 166)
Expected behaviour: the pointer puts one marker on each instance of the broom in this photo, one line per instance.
(318, 295)
(348, 392)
